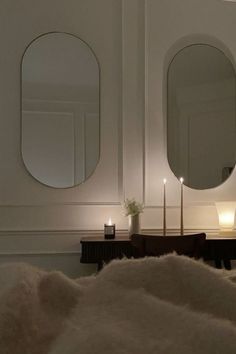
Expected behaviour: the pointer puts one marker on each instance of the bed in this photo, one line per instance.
(167, 305)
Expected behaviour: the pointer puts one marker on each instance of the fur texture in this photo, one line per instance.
(163, 305)
(33, 305)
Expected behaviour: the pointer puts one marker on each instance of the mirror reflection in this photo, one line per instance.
(201, 116)
(60, 110)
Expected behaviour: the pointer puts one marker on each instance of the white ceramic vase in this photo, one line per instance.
(134, 224)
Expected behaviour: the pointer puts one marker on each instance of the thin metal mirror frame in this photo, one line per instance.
(166, 105)
(21, 108)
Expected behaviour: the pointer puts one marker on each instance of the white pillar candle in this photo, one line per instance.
(164, 207)
(181, 207)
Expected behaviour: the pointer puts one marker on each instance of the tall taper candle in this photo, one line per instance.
(181, 208)
(164, 207)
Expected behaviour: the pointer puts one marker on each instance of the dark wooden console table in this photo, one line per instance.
(99, 250)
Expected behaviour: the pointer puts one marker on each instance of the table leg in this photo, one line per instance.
(227, 264)
(218, 263)
(100, 265)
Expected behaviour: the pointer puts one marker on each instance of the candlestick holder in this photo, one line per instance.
(181, 208)
(164, 207)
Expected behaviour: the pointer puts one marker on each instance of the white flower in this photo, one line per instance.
(131, 207)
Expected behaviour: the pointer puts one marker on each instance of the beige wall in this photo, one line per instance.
(25, 203)
(133, 41)
(170, 26)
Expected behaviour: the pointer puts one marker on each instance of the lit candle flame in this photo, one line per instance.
(164, 180)
(181, 180)
(109, 222)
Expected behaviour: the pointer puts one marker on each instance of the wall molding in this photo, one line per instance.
(59, 242)
(105, 204)
(133, 111)
(60, 204)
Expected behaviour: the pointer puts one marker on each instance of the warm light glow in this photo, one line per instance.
(181, 180)
(226, 220)
(109, 222)
(226, 214)
(164, 180)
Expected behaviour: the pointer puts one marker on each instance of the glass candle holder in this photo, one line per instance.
(109, 230)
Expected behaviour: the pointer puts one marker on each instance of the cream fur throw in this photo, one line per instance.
(166, 305)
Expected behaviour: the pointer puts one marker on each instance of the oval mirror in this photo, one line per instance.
(201, 116)
(60, 119)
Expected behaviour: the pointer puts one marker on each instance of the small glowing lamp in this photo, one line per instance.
(109, 230)
(226, 214)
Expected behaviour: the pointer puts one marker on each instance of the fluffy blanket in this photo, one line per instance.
(166, 305)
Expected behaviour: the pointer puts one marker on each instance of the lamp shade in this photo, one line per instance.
(226, 214)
